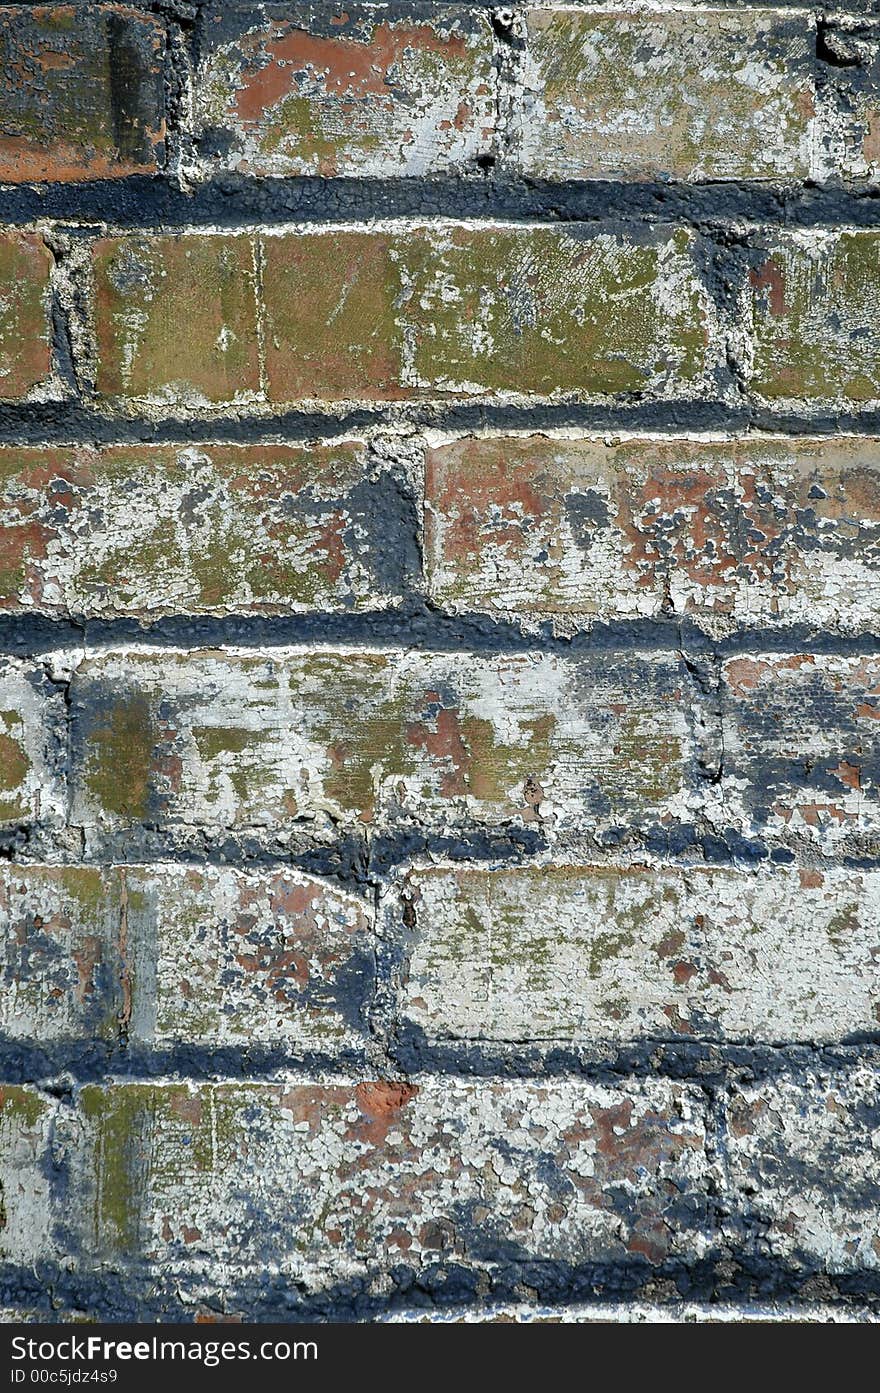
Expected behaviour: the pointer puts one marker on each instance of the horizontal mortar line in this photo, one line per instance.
(71, 1064)
(361, 865)
(418, 627)
(852, 7)
(73, 423)
(247, 203)
(135, 1289)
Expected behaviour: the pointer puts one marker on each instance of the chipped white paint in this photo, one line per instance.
(26, 1126)
(31, 713)
(804, 1157)
(595, 953)
(699, 94)
(349, 737)
(223, 957)
(321, 1182)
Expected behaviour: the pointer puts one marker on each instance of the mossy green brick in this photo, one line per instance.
(544, 311)
(25, 353)
(176, 318)
(815, 305)
(457, 311)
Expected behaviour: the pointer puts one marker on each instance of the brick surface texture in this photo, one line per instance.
(440, 661)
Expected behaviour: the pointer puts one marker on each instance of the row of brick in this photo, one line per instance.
(376, 90)
(322, 1183)
(316, 741)
(755, 530)
(168, 956)
(449, 311)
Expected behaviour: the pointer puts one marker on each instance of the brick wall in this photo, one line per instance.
(440, 660)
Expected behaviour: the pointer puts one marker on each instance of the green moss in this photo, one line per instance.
(148, 288)
(495, 771)
(215, 740)
(88, 887)
(542, 311)
(295, 125)
(122, 1118)
(842, 923)
(120, 759)
(816, 311)
(646, 768)
(21, 1105)
(363, 729)
(134, 565)
(14, 763)
(24, 323)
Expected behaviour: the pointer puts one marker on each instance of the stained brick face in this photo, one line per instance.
(367, 91)
(25, 354)
(692, 94)
(84, 95)
(446, 312)
(439, 611)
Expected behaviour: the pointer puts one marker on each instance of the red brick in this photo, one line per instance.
(360, 91)
(145, 530)
(25, 354)
(83, 92)
(768, 531)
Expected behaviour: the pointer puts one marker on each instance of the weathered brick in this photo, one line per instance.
(579, 953)
(771, 531)
(371, 91)
(62, 965)
(148, 288)
(165, 955)
(689, 94)
(226, 957)
(333, 329)
(800, 740)
(31, 716)
(445, 310)
(815, 300)
(26, 1121)
(848, 50)
(84, 92)
(202, 529)
(325, 1181)
(803, 1164)
(333, 738)
(25, 355)
(548, 310)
